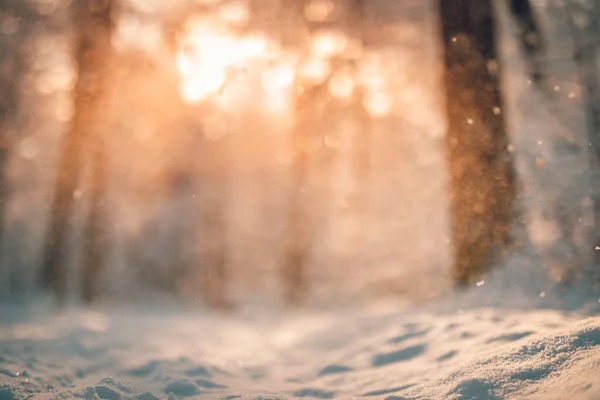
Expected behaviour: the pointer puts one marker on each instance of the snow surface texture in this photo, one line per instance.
(374, 353)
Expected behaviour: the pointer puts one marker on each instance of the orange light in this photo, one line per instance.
(319, 10)
(341, 85)
(210, 53)
(328, 43)
(202, 84)
(315, 70)
(378, 104)
(236, 13)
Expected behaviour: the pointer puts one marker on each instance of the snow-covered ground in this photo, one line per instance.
(375, 352)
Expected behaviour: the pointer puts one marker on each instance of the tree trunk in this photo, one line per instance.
(92, 20)
(299, 224)
(297, 240)
(213, 236)
(529, 36)
(14, 15)
(96, 235)
(482, 177)
(215, 188)
(362, 143)
(586, 43)
(310, 121)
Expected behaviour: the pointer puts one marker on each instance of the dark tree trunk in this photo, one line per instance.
(92, 20)
(529, 35)
(14, 14)
(482, 177)
(96, 238)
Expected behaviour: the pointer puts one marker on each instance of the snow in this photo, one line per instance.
(432, 352)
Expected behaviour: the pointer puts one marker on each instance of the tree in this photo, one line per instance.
(529, 35)
(314, 104)
(92, 22)
(13, 16)
(213, 225)
(482, 177)
(299, 223)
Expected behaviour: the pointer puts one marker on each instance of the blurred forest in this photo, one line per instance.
(332, 151)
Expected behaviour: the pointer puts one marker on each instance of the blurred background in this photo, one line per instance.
(231, 152)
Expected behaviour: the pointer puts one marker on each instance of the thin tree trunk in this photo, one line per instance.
(178, 238)
(215, 274)
(482, 177)
(362, 149)
(302, 221)
(214, 230)
(95, 22)
(95, 245)
(13, 13)
(93, 26)
(358, 22)
(363, 139)
(297, 247)
(529, 35)
(586, 45)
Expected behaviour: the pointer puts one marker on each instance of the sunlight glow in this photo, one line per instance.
(202, 83)
(378, 104)
(319, 10)
(341, 85)
(212, 55)
(282, 76)
(278, 84)
(235, 13)
(329, 43)
(315, 70)
(131, 32)
(209, 54)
